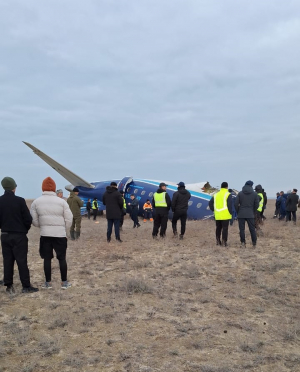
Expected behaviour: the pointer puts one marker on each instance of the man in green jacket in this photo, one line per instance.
(75, 203)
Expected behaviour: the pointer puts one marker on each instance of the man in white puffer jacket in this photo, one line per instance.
(54, 217)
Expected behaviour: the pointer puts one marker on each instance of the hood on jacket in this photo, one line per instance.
(182, 190)
(111, 189)
(247, 189)
(72, 194)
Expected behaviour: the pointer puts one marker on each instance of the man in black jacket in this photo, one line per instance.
(161, 202)
(180, 206)
(114, 205)
(88, 208)
(291, 205)
(15, 221)
(246, 204)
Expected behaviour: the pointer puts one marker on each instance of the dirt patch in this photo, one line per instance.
(160, 305)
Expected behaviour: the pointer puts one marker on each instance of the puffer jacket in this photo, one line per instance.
(246, 202)
(51, 214)
(75, 203)
(180, 200)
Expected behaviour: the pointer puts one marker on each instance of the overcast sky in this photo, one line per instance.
(168, 90)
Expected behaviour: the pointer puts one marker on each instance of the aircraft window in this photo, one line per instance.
(199, 205)
(136, 191)
(128, 189)
(151, 194)
(143, 192)
(190, 203)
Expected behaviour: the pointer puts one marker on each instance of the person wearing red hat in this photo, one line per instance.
(15, 221)
(53, 216)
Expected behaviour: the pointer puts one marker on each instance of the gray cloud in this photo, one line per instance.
(189, 90)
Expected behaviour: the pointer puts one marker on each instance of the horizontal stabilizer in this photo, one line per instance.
(66, 173)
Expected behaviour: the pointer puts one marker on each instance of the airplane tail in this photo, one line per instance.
(66, 173)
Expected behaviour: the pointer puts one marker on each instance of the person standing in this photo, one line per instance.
(291, 205)
(88, 208)
(282, 205)
(234, 214)
(53, 216)
(259, 213)
(15, 221)
(95, 208)
(221, 205)
(277, 207)
(246, 204)
(75, 203)
(180, 206)
(134, 204)
(148, 211)
(123, 210)
(60, 193)
(264, 194)
(113, 201)
(162, 203)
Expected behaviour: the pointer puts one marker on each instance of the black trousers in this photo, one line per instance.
(116, 224)
(121, 220)
(59, 245)
(135, 217)
(160, 221)
(182, 216)
(289, 216)
(15, 248)
(222, 227)
(89, 213)
(95, 212)
(251, 225)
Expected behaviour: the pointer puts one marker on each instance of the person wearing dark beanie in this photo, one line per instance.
(221, 205)
(15, 221)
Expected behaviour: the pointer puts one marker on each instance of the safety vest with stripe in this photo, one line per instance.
(160, 199)
(95, 205)
(220, 205)
(124, 203)
(261, 203)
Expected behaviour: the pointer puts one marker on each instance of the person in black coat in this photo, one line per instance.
(88, 208)
(134, 204)
(246, 204)
(291, 205)
(113, 201)
(15, 221)
(180, 206)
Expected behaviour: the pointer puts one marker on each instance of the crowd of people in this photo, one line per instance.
(55, 217)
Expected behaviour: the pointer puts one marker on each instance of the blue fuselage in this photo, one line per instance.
(143, 190)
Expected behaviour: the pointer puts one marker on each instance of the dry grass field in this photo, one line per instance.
(165, 305)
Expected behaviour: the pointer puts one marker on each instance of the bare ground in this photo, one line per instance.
(165, 305)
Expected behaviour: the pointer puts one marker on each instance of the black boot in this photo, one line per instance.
(72, 235)
(218, 242)
(77, 235)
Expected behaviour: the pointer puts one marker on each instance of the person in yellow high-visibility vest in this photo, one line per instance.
(258, 212)
(221, 205)
(162, 203)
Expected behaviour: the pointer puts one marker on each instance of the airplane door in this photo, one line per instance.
(124, 183)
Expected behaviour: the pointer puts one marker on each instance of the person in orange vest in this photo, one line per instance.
(148, 211)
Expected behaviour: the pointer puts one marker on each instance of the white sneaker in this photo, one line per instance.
(47, 285)
(65, 285)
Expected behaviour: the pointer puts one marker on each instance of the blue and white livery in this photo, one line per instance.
(143, 189)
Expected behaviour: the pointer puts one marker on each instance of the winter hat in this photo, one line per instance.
(48, 184)
(59, 191)
(75, 189)
(8, 184)
(113, 184)
(249, 183)
(181, 184)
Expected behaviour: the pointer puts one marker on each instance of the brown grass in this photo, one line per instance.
(165, 305)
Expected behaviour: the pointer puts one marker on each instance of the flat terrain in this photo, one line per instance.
(166, 305)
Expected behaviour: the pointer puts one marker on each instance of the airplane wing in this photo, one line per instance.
(66, 173)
